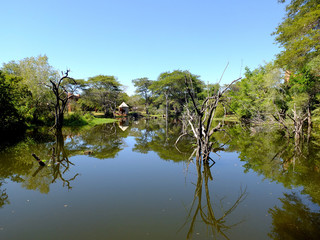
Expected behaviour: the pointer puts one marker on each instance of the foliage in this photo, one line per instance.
(102, 93)
(299, 34)
(257, 95)
(143, 89)
(170, 88)
(35, 73)
(11, 117)
(75, 119)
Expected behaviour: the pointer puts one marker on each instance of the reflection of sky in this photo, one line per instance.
(137, 196)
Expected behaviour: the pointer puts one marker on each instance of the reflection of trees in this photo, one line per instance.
(17, 164)
(3, 195)
(217, 225)
(154, 136)
(270, 154)
(104, 141)
(57, 167)
(294, 220)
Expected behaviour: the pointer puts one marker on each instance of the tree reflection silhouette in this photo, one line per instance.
(203, 207)
(61, 163)
(56, 168)
(294, 220)
(3, 195)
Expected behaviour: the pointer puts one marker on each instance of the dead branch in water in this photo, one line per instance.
(200, 118)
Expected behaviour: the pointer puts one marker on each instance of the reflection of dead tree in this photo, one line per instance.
(200, 119)
(288, 154)
(61, 163)
(217, 224)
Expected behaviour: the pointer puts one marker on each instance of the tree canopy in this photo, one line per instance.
(299, 34)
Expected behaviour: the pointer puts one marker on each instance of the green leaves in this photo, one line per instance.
(299, 34)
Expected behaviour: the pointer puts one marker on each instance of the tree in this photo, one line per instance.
(11, 118)
(102, 92)
(199, 115)
(35, 73)
(143, 89)
(299, 34)
(256, 97)
(63, 91)
(170, 86)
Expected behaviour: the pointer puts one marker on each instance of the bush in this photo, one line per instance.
(75, 119)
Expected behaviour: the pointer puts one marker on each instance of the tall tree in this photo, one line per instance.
(170, 86)
(36, 73)
(11, 117)
(143, 89)
(103, 92)
(299, 34)
(63, 91)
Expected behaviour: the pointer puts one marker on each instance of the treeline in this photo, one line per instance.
(27, 95)
(285, 90)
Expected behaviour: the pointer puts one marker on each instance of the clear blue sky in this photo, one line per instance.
(142, 38)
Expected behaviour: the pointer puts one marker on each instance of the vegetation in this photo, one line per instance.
(285, 91)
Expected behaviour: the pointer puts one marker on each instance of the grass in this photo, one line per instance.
(230, 118)
(77, 119)
(97, 121)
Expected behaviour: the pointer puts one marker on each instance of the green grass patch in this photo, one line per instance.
(77, 119)
(97, 121)
(227, 118)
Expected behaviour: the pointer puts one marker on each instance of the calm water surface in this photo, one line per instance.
(130, 182)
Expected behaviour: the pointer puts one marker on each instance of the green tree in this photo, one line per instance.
(256, 96)
(299, 34)
(170, 87)
(102, 92)
(11, 118)
(143, 89)
(36, 73)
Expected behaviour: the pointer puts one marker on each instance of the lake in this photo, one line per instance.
(129, 181)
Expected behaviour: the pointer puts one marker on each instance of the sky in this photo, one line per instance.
(132, 39)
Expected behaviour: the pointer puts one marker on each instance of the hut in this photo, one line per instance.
(123, 109)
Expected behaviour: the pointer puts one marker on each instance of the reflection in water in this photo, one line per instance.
(3, 194)
(160, 137)
(56, 168)
(217, 225)
(267, 153)
(60, 162)
(270, 154)
(294, 220)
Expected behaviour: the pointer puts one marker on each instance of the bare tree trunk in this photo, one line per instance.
(200, 119)
(309, 124)
(166, 105)
(62, 98)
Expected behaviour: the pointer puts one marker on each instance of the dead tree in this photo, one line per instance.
(62, 96)
(200, 119)
(298, 120)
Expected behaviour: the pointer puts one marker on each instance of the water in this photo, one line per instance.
(136, 185)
